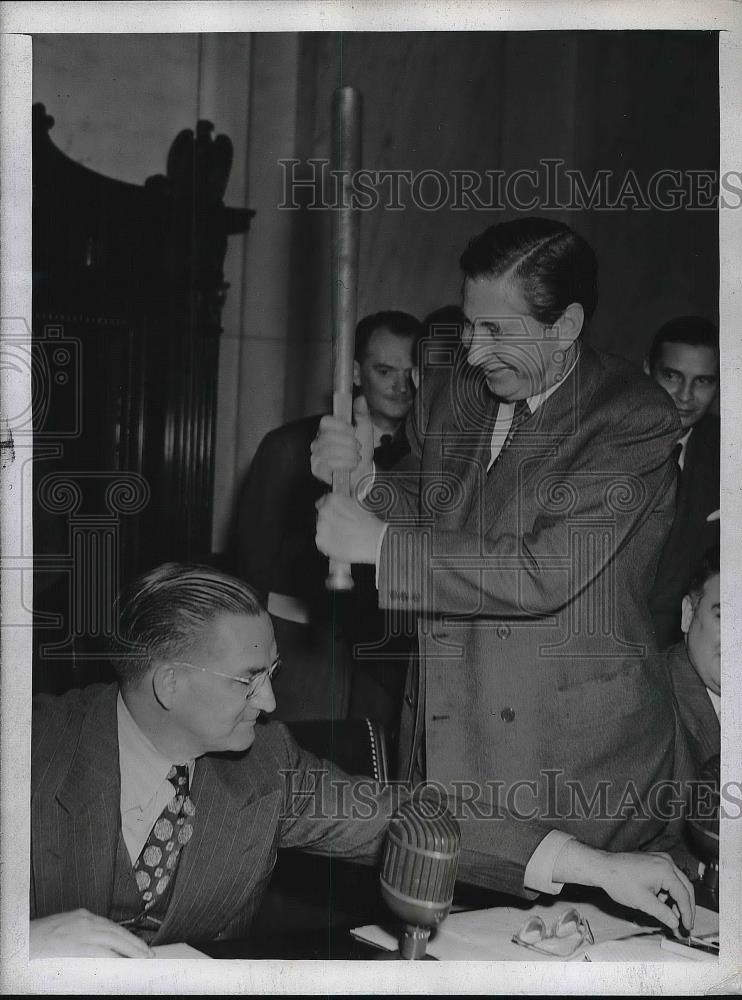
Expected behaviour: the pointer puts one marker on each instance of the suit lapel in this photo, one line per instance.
(466, 436)
(90, 800)
(228, 852)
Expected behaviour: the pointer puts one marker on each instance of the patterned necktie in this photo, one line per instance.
(156, 866)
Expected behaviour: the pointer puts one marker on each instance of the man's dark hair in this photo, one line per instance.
(164, 612)
(401, 324)
(552, 265)
(692, 330)
(708, 568)
(447, 318)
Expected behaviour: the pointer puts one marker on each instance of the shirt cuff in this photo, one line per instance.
(539, 871)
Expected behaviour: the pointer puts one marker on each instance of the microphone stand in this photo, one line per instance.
(413, 944)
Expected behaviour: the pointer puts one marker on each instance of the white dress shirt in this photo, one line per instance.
(145, 790)
(715, 701)
(683, 442)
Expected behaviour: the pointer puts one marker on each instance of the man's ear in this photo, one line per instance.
(645, 366)
(165, 684)
(571, 322)
(686, 616)
(356, 374)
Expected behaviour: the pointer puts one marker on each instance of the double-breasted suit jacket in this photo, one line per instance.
(536, 685)
(247, 806)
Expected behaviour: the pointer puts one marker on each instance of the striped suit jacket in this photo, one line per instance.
(247, 806)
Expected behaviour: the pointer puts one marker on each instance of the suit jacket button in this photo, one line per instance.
(507, 714)
(503, 631)
(393, 594)
(408, 699)
(403, 595)
(415, 596)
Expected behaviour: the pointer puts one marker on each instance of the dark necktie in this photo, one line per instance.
(521, 413)
(156, 866)
(388, 451)
(677, 452)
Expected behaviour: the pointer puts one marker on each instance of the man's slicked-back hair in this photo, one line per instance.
(401, 324)
(165, 611)
(552, 265)
(695, 331)
(708, 568)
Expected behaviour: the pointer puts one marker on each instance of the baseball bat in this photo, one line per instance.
(346, 230)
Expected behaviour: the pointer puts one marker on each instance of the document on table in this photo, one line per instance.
(178, 951)
(486, 935)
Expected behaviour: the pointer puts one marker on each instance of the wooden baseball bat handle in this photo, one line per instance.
(346, 231)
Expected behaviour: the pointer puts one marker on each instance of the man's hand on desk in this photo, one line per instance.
(82, 934)
(340, 446)
(643, 881)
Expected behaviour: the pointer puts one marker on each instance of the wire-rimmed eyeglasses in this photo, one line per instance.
(569, 925)
(251, 684)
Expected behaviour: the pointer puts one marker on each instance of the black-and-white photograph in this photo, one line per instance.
(368, 500)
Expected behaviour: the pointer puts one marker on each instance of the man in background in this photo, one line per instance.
(695, 661)
(684, 360)
(317, 631)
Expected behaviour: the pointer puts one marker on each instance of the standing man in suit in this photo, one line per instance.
(524, 530)
(684, 360)
(277, 555)
(158, 804)
(695, 661)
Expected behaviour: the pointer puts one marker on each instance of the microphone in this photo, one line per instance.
(418, 870)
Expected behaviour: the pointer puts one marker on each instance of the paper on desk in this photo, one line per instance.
(177, 951)
(489, 932)
(643, 949)
(377, 936)
(485, 935)
(707, 922)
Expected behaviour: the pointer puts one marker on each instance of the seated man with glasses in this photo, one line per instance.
(150, 823)
(158, 804)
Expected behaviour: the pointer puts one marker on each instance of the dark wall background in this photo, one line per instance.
(477, 101)
(610, 101)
